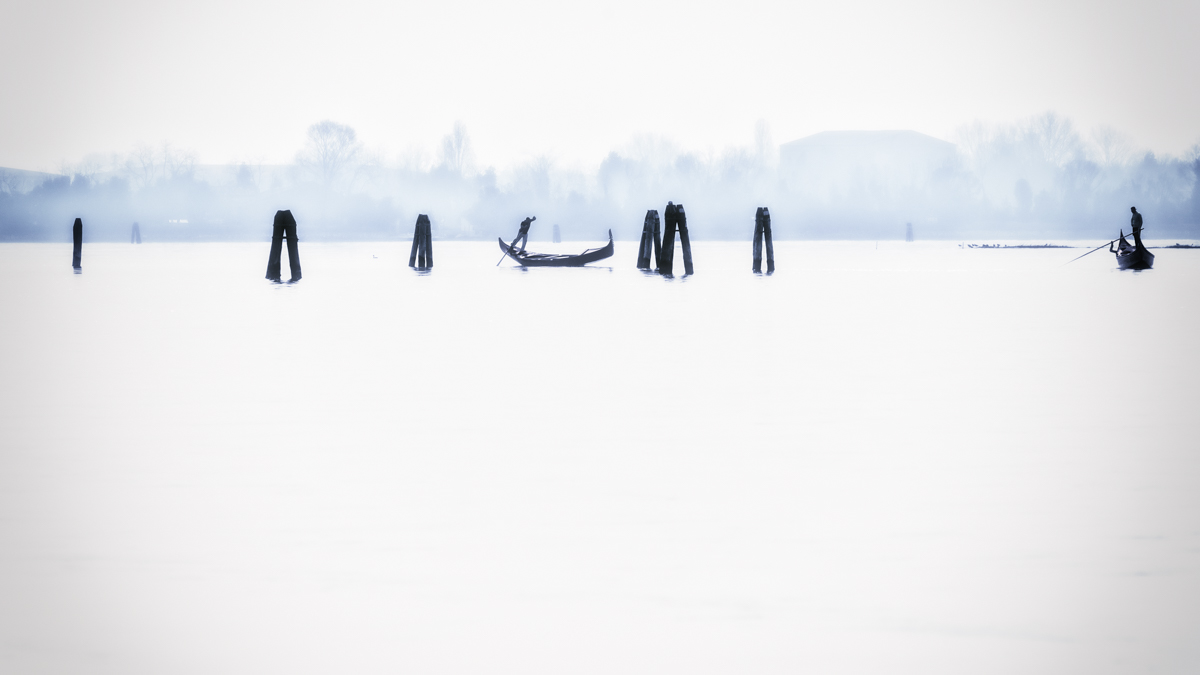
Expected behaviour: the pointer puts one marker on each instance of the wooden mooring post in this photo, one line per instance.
(557, 234)
(762, 230)
(77, 240)
(908, 233)
(135, 235)
(285, 225)
(676, 220)
(651, 242)
(421, 256)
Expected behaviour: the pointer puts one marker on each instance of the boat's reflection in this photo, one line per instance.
(524, 269)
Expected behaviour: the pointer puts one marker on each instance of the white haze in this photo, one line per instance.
(588, 115)
(1041, 177)
(241, 81)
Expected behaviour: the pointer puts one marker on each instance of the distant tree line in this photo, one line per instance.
(1039, 178)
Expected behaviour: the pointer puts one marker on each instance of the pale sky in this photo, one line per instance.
(241, 80)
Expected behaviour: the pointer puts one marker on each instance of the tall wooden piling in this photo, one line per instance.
(666, 256)
(421, 256)
(285, 225)
(908, 233)
(77, 239)
(135, 235)
(684, 240)
(762, 231)
(557, 234)
(676, 221)
(651, 242)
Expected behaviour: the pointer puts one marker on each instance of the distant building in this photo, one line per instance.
(17, 181)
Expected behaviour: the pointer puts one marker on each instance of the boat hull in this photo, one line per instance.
(1135, 259)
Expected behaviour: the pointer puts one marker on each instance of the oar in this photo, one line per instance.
(1098, 248)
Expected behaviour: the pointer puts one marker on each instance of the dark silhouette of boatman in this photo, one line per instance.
(1136, 223)
(523, 234)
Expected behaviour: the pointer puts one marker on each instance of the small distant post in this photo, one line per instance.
(651, 242)
(135, 235)
(676, 220)
(421, 256)
(762, 230)
(908, 235)
(285, 225)
(77, 238)
(557, 234)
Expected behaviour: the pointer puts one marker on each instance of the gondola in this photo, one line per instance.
(1134, 257)
(552, 260)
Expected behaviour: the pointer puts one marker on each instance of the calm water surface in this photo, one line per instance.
(914, 458)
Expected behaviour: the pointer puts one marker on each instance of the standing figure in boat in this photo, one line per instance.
(1135, 257)
(523, 234)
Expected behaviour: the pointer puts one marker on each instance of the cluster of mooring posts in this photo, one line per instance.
(664, 250)
(652, 245)
(661, 249)
(676, 220)
(762, 230)
(285, 225)
(421, 256)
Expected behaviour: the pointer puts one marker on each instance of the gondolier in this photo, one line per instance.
(523, 234)
(1135, 257)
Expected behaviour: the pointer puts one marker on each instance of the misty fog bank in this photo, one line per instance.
(1037, 179)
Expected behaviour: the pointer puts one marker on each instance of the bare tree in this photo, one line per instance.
(535, 176)
(413, 160)
(1056, 137)
(177, 163)
(1192, 154)
(331, 153)
(145, 166)
(92, 166)
(657, 152)
(457, 155)
(10, 182)
(978, 142)
(141, 165)
(1112, 147)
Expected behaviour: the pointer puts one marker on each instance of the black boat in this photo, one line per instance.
(552, 260)
(1134, 257)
